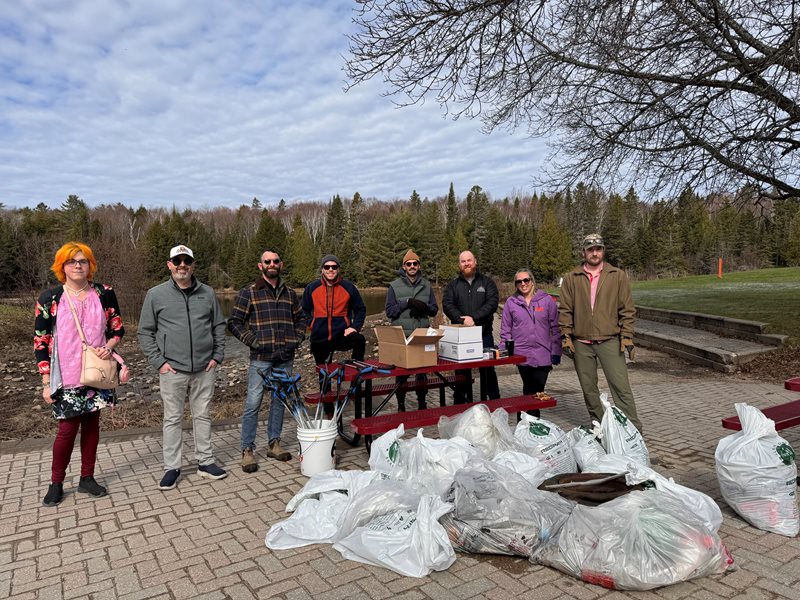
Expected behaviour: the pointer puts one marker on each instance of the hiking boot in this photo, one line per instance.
(54, 495)
(170, 479)
(89, 486)
(275, 451)
(212, 471)
(249, 463)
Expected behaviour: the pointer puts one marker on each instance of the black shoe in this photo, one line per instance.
(55, 494)
(170, 479)
(89, 486)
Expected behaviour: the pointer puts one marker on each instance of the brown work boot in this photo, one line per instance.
(275, 451)
(249, 463)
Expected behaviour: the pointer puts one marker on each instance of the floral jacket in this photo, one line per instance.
(45, 341)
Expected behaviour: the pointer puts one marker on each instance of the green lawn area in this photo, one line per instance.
(768, 295)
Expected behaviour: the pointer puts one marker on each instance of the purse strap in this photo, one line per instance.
(75, 316)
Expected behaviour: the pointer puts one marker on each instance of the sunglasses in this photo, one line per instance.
(74, 263)
(412, 263)
(272, 261)
(331, 267)
(186, 260)
(521, 281)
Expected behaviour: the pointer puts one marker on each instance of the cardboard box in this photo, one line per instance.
(461, 334)
(461, 352)
(418, 350)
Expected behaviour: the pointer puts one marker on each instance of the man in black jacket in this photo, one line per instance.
(471, 299)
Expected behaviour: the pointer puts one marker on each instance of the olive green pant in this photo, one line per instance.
(613, 362)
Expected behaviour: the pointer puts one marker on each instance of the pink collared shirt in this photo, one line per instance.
(92, 320)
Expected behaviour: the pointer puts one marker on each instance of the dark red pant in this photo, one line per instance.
(89, 424)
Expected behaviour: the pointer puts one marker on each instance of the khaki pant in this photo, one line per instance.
(613, 363)
(175, 387)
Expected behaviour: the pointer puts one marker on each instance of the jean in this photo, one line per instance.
(255, 394)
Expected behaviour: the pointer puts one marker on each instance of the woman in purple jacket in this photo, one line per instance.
(530, 318)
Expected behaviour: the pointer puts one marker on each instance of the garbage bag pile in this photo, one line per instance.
(757, 474)
(477, 490)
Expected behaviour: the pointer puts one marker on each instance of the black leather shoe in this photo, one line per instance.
(55, 494)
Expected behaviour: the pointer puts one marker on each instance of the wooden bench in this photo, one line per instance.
(792, 384)
(410, 386)
(785, 415)
(369, 426)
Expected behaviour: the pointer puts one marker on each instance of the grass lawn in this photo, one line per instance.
(768, 295)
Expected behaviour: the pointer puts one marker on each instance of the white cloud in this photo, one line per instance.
(205, 103)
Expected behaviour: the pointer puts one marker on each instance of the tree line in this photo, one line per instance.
(649, 239)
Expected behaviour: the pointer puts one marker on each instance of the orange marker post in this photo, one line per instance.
(719, 268)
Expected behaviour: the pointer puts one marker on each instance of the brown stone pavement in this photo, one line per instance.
(206, 539)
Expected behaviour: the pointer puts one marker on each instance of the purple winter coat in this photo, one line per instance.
(534, 328)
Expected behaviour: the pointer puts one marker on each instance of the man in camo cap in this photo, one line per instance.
(596, 317)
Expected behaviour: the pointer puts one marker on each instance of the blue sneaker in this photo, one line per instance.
(212, 471)
(170, 479)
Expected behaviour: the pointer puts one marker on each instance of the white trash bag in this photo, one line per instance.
(317, 509)
(385, 453)
(696, 501)
(639, 541)
(533, 469)
(620, 436)
(547, 441)
(496, 511)
(428, 464)
(757, 474)
(585, 447)
(389, 525)
(488, 432)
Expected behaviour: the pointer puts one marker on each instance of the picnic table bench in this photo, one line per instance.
(432, 383)
(785, 415)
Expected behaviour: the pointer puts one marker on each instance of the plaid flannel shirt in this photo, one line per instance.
(269, 320)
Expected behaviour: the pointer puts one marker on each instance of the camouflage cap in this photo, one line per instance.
(592, 240)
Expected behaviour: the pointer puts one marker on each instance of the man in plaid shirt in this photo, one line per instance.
(267, 317)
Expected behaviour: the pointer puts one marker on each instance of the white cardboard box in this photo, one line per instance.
(461, 352)
(461, 334)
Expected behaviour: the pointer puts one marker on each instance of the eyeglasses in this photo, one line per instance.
(74, 263)
(186, 260)
(521, 281)
(331, 267)
(271, 261)
(412, 263)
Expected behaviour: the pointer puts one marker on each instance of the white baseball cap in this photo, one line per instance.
(178, 250)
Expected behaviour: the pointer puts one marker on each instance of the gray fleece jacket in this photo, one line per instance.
(185, 328)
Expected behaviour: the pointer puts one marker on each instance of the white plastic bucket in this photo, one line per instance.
(317, 448)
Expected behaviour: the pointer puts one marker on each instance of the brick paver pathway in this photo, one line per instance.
(206, 539)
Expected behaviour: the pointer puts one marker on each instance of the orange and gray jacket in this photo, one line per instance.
(613, 313)
(332, 309)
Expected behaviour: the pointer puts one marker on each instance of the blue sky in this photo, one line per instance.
(200, 104)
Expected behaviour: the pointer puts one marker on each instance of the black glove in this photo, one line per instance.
(417, 308)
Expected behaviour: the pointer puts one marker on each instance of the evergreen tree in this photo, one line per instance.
(380, 264)
(695, 232)
(614, 232)
(452, 212)
(75, 219)
(270, 234)
(9, 250)
(553, 255)
(335, 225)
(433, 244)
(301, 266)
(477, 215)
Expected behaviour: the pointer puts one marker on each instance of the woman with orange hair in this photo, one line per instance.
(57, 346)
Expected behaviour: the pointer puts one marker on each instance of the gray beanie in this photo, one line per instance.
(329, 258)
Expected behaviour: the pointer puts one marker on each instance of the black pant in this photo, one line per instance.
(323, 350)
(487, 374)
(533, 381)
(421, 394)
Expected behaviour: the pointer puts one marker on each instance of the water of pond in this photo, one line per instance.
(375, 299)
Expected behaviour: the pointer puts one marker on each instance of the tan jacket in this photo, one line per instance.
(613, 313)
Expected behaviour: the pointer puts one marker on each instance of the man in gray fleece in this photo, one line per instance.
(182, 334)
